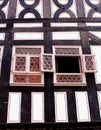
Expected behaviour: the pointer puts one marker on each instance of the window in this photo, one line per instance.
(82, 106)
(61, 107)
(14, 107)
(25, 68)
(69, 68)
(37, 109)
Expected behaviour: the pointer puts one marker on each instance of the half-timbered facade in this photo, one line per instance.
(50, 64)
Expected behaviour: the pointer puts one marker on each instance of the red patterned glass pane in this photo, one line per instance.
(34, 78)
(20, 78)
(69, 78)
(34, 64)
(20, 64)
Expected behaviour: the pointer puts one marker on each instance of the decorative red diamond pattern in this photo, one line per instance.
(69, 78)
(27, 78)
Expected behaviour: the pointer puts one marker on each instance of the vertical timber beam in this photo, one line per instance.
(6, 63)
(91, 85)
(72, 116)
(49, 90)
(46, 8)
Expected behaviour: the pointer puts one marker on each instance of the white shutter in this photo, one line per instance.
(47, 63)
(61, 113)
(82, 106)
(37, 107)
(14, 107)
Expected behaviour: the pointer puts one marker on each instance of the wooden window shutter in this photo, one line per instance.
(47, 63)
(89, 63)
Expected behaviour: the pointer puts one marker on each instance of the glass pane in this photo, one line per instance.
(20, 64)
(34, 64)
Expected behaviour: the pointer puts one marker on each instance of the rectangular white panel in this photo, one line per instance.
(37, 107)
(28, 36)
(2, 36)
(14, 107)
(99, 100)
(96, 50)
(66, 35)
(82, 106)
(61, 107)
(27, 25)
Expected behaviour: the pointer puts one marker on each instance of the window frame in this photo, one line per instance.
(27, 71)
(82, 73)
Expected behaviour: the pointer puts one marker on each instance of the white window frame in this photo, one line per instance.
(56, 111)
(27, 68)
(79, 106)
(32, 108)
(83, 83)
(9, 108)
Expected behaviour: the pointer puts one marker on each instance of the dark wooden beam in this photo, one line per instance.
(55, 20)
(91, 85)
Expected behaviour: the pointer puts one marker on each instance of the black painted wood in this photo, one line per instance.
(6, 64)
(91, 85)
(71, 106)
(92, 96)
(49, 89)
(26, 106)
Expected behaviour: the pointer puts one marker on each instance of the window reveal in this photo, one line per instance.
(67, 65)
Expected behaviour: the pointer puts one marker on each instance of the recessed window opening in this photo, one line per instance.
(67, 64)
